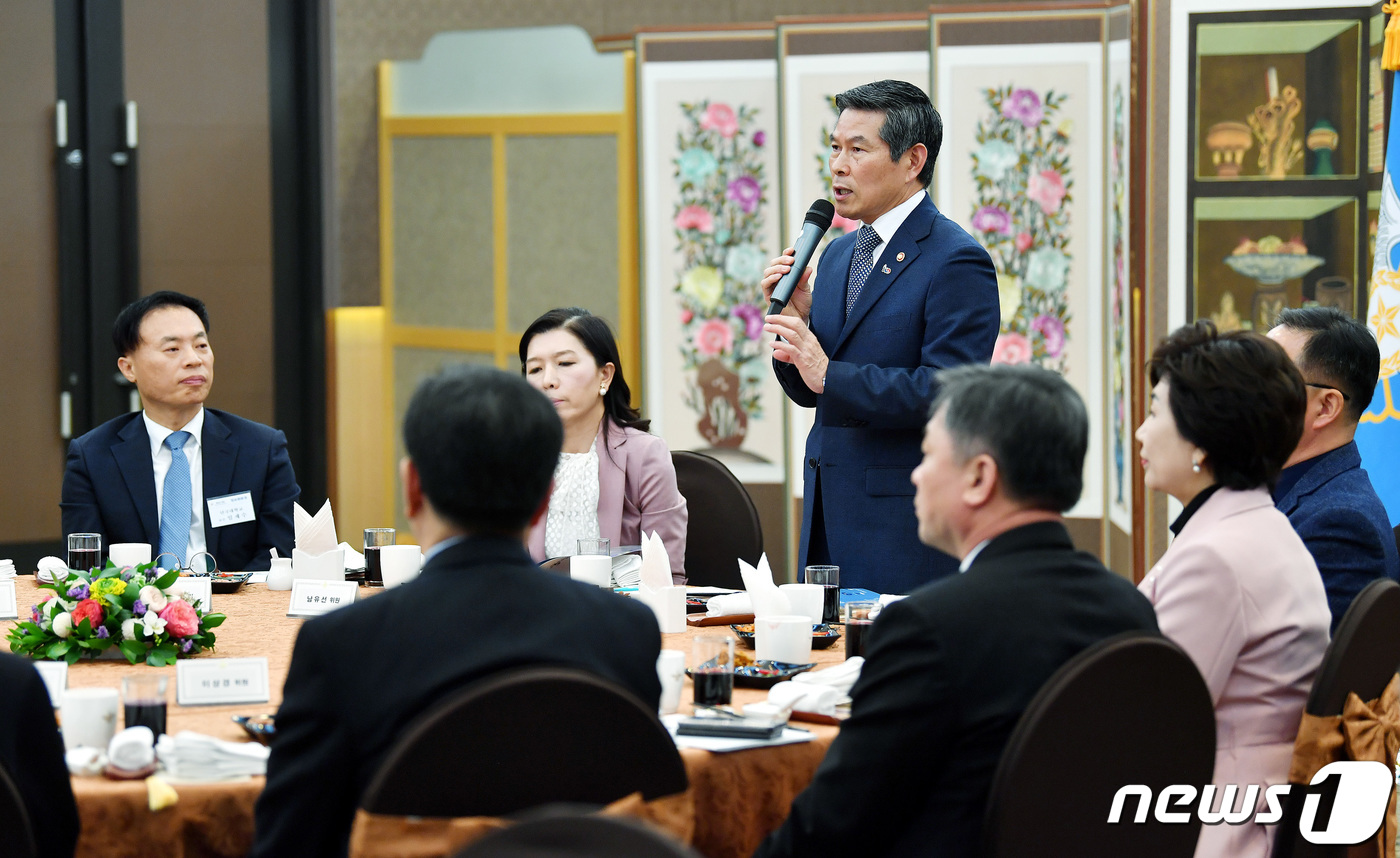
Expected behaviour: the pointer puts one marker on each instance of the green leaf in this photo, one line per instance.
(213, 621)
(58, 648)
(167, 579)
(73, 656)
(133, 650)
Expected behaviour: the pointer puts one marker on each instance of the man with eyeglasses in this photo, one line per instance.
(1323, 489)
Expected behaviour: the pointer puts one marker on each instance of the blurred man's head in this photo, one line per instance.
(162, 343)
(482, 447)
(1005, 447)
(1340, 362)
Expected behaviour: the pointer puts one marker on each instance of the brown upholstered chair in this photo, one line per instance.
(724, 523)
(577, 837)
(1130, 710)
(523, 739)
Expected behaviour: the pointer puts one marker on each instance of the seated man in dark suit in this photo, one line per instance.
(482, 446)
(950, 669)
(1323, 489)
(31, 753)
(178, 476)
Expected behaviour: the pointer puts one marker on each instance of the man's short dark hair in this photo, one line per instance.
(1341, 352)
(1028, 419)
(485, 444)
(1235, 395)
(126, 331)
(909, 118)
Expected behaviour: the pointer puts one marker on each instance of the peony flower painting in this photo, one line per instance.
(1023, 181)
(718, 225)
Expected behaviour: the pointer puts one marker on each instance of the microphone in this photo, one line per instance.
(814, 226)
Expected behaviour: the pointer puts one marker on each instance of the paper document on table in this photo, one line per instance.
(721, 745)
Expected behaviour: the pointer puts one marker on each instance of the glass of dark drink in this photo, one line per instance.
(375, 539)
(84, 551)
(143, 701)
(712, 670)
(829, 578)
(859, 619)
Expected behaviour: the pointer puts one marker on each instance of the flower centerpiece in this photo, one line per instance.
(139, 610)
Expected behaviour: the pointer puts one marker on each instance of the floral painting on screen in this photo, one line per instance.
(1119, 320)
(1022, 172)
(718, 225)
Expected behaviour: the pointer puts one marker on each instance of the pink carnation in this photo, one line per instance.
(720, 117)
(180, 619)
(695, 217)
(1046, 188)
(1011, 348)
(714, 337)
(1023, 241)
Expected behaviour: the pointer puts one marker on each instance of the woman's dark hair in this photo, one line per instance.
(598, 338)
(1235, 395)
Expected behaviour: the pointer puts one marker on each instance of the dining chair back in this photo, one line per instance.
(15, 826)
(724, 524)
(526, 738)
(577, 837)
(1131, 710)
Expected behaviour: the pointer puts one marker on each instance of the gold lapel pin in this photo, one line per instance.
(885, 270)
(899, 257)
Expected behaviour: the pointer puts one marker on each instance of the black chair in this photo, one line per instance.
(15, 827)
(724, 523)
(577, 837)
(523, 739)
(1361, 658)
(1130, 710)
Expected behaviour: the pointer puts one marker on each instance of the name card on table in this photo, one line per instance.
(55, 676)
(214, 681)
(312, 597)
(197, 589)
(9, 606)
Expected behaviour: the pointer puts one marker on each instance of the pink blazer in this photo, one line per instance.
(1238, 590)
(636, 494)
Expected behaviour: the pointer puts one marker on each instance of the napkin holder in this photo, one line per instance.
(327, 566)
(668, 603)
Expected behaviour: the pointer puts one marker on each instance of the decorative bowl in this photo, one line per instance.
(227, 582)
(1271, 268)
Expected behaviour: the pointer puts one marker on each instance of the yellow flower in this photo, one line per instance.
(705, 285)
(107, 589)
(1066, 128)
(1009, 295)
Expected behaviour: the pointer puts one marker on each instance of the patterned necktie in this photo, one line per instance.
(867, 239)
(177, 503)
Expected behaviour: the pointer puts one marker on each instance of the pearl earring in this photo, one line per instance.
(1195, 467)
(602, 390)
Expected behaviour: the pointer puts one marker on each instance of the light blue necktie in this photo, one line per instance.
(177, 504)
(862, 262)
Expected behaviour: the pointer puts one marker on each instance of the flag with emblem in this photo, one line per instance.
(1378, 436)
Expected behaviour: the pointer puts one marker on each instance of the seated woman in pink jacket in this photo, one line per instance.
(614, 479)
(1236, 589)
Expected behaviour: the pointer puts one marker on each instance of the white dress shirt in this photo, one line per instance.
(160, 459)
(887, 224)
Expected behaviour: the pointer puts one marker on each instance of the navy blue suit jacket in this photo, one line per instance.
(1340, 518)
(937, 307)
(109, 487)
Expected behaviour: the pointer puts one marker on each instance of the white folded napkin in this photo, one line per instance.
(768, 600)
(627, 570)
(196, 757)
(132, 749)
(887, 599)
(805, 697)
(7, 569)
(314, 534)
(353, 558)
(728, 605)
(655, 588)
(840, 676)
(656, 564)
(85, 761)
(326, 566)
(49, 566)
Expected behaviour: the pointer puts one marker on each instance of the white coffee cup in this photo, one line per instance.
(805, 599)
(129, 553)
(400, 563)
(593, 569)
(89, 717)
(670, 668)
(783, 638)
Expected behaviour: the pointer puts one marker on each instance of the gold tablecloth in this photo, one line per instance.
(739, 797)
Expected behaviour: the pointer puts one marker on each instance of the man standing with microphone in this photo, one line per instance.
(908, 294)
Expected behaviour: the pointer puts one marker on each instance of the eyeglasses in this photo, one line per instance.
(207, 567)
(1346, 397)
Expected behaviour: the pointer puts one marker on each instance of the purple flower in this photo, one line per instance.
(745, 191)
(103, 633)
(759, 138)
(127, 573)
(138, 608)
(78, 592)
(1052, 330)
(753, 320)
(1023, 104)
(992, 219)
(34, 613)
(186, 645)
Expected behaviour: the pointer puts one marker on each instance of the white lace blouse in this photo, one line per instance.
(573, 508)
